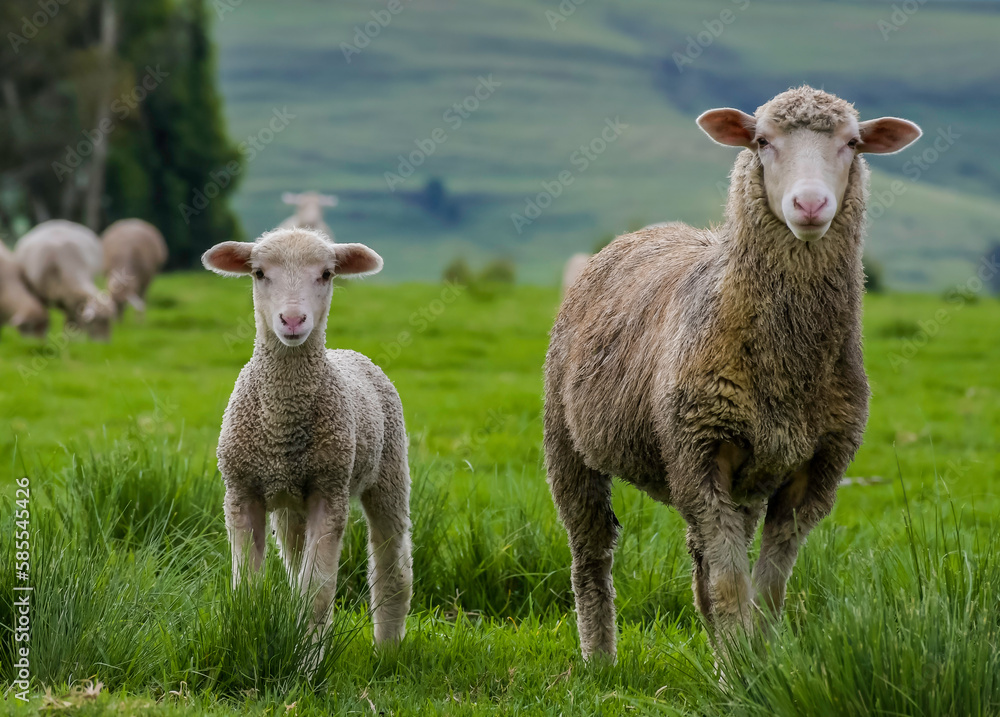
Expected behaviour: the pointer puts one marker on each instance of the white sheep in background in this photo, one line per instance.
(60, 261)
(134, 251)
(573, 269)
(307, 428)
(18, 306)
(308, 211)
(720, 370)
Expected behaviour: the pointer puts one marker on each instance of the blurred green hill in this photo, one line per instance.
(369, 80)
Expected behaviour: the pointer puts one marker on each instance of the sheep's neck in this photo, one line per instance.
(293, 373)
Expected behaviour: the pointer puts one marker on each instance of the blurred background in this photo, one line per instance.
(443, 127)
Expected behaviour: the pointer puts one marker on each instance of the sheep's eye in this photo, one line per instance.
(761, 142)
(259, 273)
(853, 143)
(327, 274)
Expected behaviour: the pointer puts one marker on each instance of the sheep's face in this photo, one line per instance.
(94, 316)
(292, 272)
(32, 323)
(806, 141)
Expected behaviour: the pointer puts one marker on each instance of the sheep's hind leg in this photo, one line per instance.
(390, 564)
(289, 528)
(583, 499)
(245, 526)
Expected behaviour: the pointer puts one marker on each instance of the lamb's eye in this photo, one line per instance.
(853, 143)
(327, 274)
(761, 142)
(259, 273)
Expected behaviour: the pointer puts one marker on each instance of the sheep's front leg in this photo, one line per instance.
(245, 526)
(792, 512)
(326, 521)
(718, 535)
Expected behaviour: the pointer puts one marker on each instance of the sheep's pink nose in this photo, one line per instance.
(810, 206)
(292, 322)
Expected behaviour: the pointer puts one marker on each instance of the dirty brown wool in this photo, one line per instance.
(720, 371)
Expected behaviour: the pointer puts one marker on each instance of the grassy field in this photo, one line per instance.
(556, 85)
(893, 606)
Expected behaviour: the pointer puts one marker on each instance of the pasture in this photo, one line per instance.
(893, 608)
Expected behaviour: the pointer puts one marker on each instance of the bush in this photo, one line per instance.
(498, 271)
(458, 272)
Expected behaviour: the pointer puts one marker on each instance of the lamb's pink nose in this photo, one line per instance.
(292, 322)
(810, 206)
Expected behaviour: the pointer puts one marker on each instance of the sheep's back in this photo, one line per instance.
(608, 365)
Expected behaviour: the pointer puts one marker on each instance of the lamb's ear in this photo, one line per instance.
(356, 260)
(729, 127)
(328, 200)
(290, 198)
(230, 258)
(887, 135)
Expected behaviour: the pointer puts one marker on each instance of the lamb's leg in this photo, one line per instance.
(390, 564)
(326, 521)
(245, 526)
(289, 528)
(583, 499)
(792, 512)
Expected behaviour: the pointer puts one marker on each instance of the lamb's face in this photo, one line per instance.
(292, 272)
(806, 141)
(94, 316)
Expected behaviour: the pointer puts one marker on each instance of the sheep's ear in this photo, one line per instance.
(230, 258)
(887, 135)
(290, 198)
(729, 127)
(328, 200)
(356, 260)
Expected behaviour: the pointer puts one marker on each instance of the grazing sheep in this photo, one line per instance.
(18, 306)
(574, 268)
(719, 370)
(308, 211)
(134, 251)
(307, 428)
(59, 260)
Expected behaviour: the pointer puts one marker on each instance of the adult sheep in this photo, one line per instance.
(720, 370)
(307, 428)
(134, 251)
(308, 211)
(18, 306)
(59, 261)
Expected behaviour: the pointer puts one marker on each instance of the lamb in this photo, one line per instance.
(18, 306)
(60, 260)
(308, 211)
(134, 251)
(306, 428)
(720, 370)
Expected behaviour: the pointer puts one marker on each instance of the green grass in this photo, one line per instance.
(892, 608)
(557, 87)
